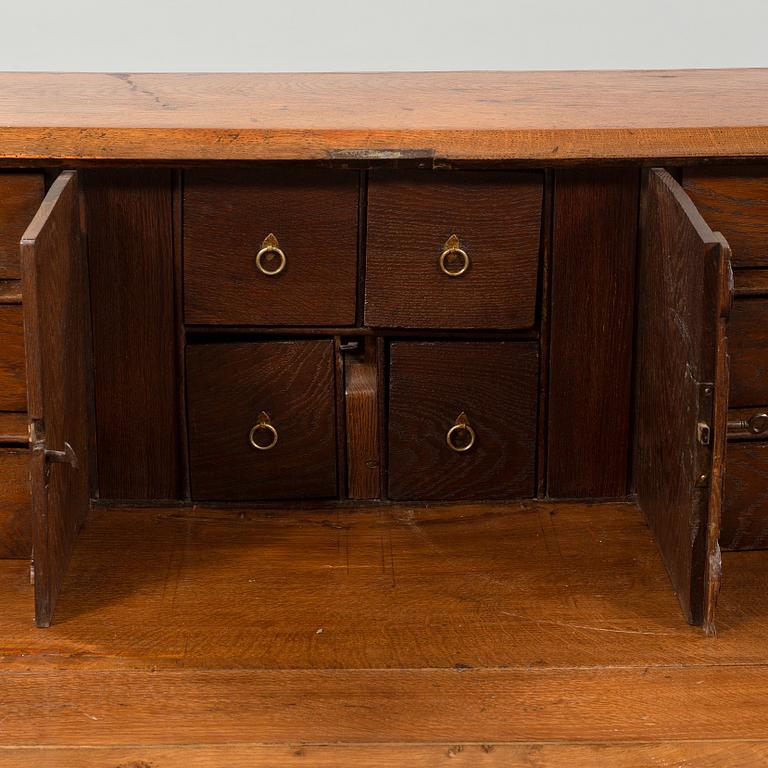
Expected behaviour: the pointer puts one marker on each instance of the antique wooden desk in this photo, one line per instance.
(386, 288)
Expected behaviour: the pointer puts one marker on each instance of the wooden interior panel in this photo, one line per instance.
(20, 197)
(228, 386)
(314, 216)
(495, 385)
(14, 428)
(362, 429)
(591, 327)
(748, 342)
(745, 502)
(411, 216)
(15, 504)
(681, 383)
(734, 200)
(58, 346)
(13, 377)
(130, 254)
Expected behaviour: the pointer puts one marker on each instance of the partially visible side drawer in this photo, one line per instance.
(745, 502)
(15, 504)
(456, 249)
(13, 381)
(734, 201)
(748, 347)
(20, 197)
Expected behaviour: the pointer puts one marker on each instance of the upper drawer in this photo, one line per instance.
(13, 377)
(485, 278)
(735, 202)
(20, 197)
(748, 347)
(228, 215)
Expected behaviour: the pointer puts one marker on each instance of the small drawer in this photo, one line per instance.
(13, 380)
(745, 497)
(748, 347)
(262, 420)
(15, 504)
(462, 419)
(453, 249)
(20, 197)
(734, 201)
(271, 247)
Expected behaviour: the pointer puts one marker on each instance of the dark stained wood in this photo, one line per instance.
(681, 351)
(227, 216)
(15, 504)
(734, 200)
(14, 428)
(13, 381)
(362, 429)
(745, 503)
(130, 254)
(56, 320)
(495, 385)
(497, 218)
(529, 116)
(593, 298)
(748, 338)
(10, 291)
(20, 197)
(228, 386)
(751, 282)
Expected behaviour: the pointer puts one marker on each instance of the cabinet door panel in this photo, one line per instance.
(682, 386)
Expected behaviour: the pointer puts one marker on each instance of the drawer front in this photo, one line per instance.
(13, 380)
(15, 504)
(734, 201)
(229, 386)
(228, 218)
(20, 197)
(494, 386)
(412, 221)
(748, 346)
(745, 500)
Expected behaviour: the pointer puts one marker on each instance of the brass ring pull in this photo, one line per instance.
(461, 427)
(270, 249)
(452, 251)
(263, 425)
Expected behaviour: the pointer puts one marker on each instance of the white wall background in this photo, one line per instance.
(323, 35)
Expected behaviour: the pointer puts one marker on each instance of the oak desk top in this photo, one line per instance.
(525, 116)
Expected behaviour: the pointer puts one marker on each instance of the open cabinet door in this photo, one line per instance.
(56, 328)
(685, 290)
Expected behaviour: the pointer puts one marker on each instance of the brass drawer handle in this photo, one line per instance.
(454, 260)
(461, 427)
(263, 425)
(270, 250)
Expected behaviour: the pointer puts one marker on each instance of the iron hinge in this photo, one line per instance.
(704, 436)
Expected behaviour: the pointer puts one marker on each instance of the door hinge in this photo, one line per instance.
(704, 437)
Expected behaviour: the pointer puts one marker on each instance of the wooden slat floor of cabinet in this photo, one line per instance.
(386, 636)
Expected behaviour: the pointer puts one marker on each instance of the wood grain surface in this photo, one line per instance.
(748, 342)
(13, 375)
(20, 197)
(362, 429)
(411, 216)
(751, 282)
(130, 260)
(680, 348)
(536, 116)
(15, 504)
(430, 385)
(734, 201)
(314, 216)
(745, 503)
(14, 427)
(228, 386)
(592, 327)
(58, 347)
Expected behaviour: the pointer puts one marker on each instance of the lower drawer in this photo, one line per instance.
(262, 420)
(745, 501)
(15, 504)
(13, 382)
(462, 419)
